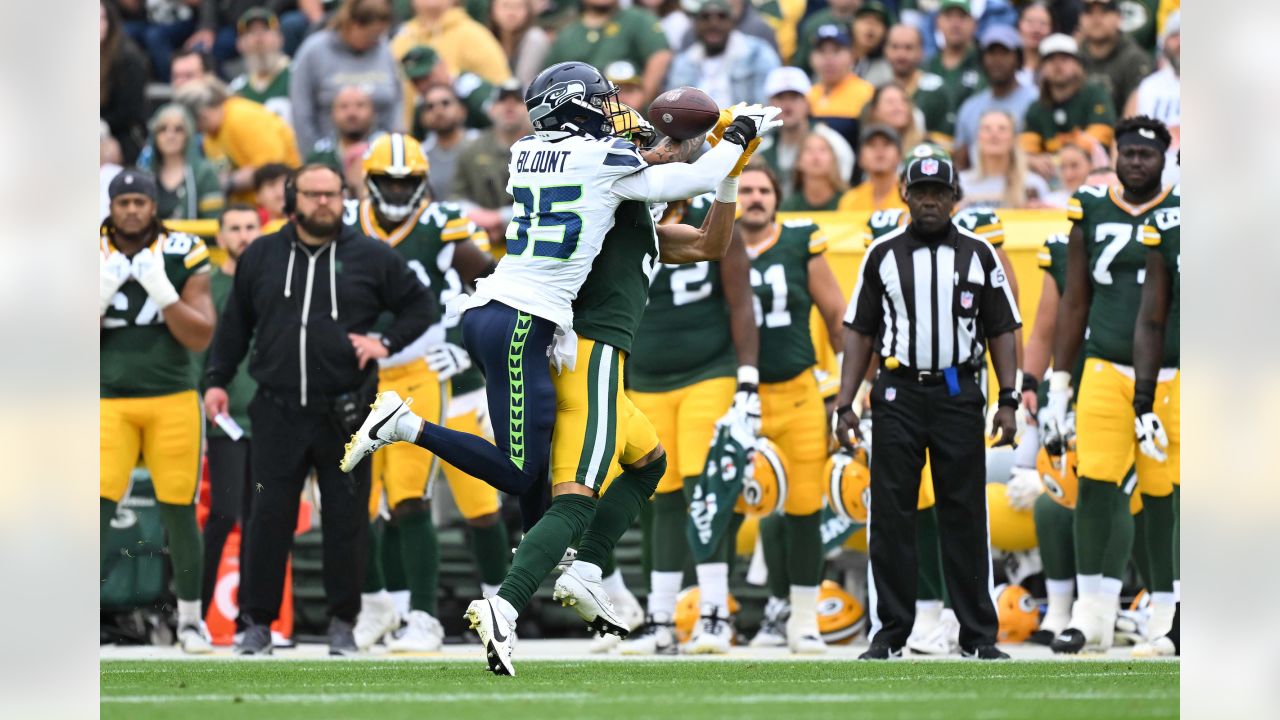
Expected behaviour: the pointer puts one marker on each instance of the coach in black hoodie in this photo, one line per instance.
(306, 296)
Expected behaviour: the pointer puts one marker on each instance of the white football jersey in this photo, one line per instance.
(564, 207)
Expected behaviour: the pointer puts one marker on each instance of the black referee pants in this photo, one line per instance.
(908, 418)
(288, 442)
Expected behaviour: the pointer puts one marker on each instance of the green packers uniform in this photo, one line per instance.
(1048, 127)
(959, 82)
(1112, 233)
(1138, 18)
(681, 373)
(632, 34)
(983, 222)
(794, 417)
(275, 96)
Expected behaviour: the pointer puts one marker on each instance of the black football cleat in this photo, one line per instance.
(1068, 642)
(881, 651)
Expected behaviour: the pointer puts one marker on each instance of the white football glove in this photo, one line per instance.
(745, 410)
(447, 360)
(1152, 439)
(1023, 488)
(114, 271)
(764, 116)
(148, 270)
(1053, 417)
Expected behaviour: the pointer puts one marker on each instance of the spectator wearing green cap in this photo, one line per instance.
(728, 65)
(957, 60)
(904, 49)
(870, 31)
(837, 12)
(514, 24)
(607, 32)
(265, 79)
(463, 43)
(1110, 56)
(425, 68)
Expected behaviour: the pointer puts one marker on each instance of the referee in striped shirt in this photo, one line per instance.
(930, 299)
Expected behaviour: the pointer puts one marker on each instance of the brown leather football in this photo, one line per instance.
(683, 113)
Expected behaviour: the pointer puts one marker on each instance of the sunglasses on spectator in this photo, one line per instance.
(170, 128)
(439, 103)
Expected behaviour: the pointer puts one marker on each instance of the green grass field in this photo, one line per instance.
(619, 690)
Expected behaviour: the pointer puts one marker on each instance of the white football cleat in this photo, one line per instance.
(194, 639)
(588, 598)
(803, 636)
(1159, 647)
(497, 633)
(420, 633)
(1092, 626)
(943, 639)
(657, 636)
(631, 613)
(378, 429)
(377, 617)
(712, 633)
(773, 632)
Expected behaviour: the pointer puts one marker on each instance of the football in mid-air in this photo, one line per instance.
(683, 113)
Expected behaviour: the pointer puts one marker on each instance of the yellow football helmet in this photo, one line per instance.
(1019, 616)
(840, 615)
(764, 490)
(1058, 473)
(395, 173)
(689, 608)
(1011, 530)
(848, 485)
(632, 126)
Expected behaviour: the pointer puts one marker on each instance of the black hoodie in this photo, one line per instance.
(278, 277)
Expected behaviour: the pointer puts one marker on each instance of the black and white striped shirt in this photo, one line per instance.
(932, 306)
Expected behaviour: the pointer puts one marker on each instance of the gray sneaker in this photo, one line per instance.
(342, 639)
(256, 640)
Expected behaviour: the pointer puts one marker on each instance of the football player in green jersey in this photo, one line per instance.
(155, 312)
(440, 246)
(1106, 264)
(1157, 320)
(790, 276)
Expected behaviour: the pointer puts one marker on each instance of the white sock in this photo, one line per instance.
(589, 571)
(1177, 591)
(666, 586)
(1109, 589)
(487, 590)
(804, 606)
(506, 609)
(1089, 584)
(929, 607)
(1028, 447)
(408, 426)
(374, 597)
(400, 599)
(1060, 594)
(713, 585)
(615, 585)
(1163, 599)
(188, 612)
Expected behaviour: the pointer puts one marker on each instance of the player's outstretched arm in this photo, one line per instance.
(680, 244)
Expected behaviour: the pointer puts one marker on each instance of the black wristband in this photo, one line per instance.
(840, 411)
(1030, 383)
(749, 388)
(1009, 398)
(1144, 396)
(741, 131)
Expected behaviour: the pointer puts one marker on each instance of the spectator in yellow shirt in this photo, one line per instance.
(464, 44)
(239, 134)
(838, 96)
(879, 156)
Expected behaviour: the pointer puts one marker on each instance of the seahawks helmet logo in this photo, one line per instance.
(553, 98)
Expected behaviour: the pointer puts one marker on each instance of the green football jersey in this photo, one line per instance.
(138, 356)
(1164, 232)
(242, 387)
(959, 82)
(1052, 259)
(275, 96)
(780, 282)
(1112, 231)
(686, 311)
(983, 222)
(611, 301)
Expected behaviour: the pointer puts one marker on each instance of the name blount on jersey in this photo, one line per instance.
(541, 161)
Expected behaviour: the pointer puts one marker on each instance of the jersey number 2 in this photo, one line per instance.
(546, 216)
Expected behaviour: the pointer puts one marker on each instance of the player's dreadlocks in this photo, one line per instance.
(1141, 123)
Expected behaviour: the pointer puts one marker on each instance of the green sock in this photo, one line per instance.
(493, 551)
(421, 552)
(1053, 533)
(1096, 510)
(618, 507)
(670, 547)
(393, 558)
(1141, 558)
(374, 580)
(1177, 532)
(646, 539)
(929, 584)
(804, 549)
(1120, 540)
(106, 511)
(773, 540)
(184, 548)
(1158, 540)
(544, 545)
(609, 566)
(725, 551)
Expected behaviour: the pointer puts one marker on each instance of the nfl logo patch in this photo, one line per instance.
(966, 299)
(890, 394)
(929, 166)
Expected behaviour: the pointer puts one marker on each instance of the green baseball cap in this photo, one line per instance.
(874, 7)
(419, 61)
(946, 5)
(257, 14)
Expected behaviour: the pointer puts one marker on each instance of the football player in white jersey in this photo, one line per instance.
(568, 178)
